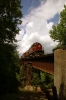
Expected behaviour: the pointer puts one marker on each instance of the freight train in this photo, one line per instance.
(34, 51)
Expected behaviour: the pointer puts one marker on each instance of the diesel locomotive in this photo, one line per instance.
(34, 51)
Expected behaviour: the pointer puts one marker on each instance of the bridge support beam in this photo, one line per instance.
(60, 73)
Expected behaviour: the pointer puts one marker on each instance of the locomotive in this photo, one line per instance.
(34, 51)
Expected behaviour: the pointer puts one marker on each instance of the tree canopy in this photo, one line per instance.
(10, 18)
(10, 15)
(58, 32)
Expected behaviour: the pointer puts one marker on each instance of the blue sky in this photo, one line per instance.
(27, 4)
(38, 18)
(55, 19)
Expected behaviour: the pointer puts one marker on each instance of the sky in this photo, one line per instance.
(38, 18)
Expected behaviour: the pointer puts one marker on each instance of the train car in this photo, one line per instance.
(34, 50)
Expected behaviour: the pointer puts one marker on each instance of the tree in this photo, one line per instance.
(9, 69)
(42, 79)
(58, 32)
(10, 14)
(47, 80)
(35, 81)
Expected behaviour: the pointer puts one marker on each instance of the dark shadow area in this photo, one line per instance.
(55, 97)
(24, 95)
(31, 95)
(62, 92)
(49, 95)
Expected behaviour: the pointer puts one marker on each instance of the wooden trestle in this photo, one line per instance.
(44, 63)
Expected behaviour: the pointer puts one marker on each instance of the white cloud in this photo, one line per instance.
(30, 24)
(36, 28)
(20, 35)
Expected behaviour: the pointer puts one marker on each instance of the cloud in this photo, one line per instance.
(30, 24)
(35, 27)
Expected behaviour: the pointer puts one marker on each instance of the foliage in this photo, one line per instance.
(42, 79)
(57, 47)
(22, 76)
(39, 78)
(36, 77)
(35, 80)
(58, 32)
(10, 15)
(9, 66)
(47, 80)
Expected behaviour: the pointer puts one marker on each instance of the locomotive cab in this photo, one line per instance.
(34, 51)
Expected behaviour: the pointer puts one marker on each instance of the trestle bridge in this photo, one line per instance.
(44, 63)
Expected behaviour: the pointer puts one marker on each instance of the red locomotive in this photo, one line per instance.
(34, 50)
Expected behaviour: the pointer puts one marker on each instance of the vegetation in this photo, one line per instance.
(35, 81)
(42, 79)
(47, 80)
(39, 78)
(58, 32)
(10, 15)
(22, 76)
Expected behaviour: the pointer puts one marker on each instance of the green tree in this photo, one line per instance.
(36, 80)
(47, 80)
(9, 68)
(58, 32)
(10, 14)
